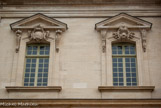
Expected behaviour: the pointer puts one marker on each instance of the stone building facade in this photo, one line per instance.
(80, 53)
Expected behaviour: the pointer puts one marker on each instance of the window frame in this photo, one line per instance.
(124, 56)
(106, 62)
(17, 77)
(37, 57)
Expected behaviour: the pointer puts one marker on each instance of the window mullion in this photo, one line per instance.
(37, 65)
(124, 71)
(124, 67)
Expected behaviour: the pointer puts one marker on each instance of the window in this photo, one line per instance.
(124, 64)
(36, 67)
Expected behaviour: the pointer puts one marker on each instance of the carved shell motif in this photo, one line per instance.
(38, 34)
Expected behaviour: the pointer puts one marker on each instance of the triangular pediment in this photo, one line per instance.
(123, 19)
(38, 19)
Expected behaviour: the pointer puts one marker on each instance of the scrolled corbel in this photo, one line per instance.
(58, 33)
(18, 39)
(103, 36)
(144, 38)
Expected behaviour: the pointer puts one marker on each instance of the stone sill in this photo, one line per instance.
(126, 88)
(33, 89)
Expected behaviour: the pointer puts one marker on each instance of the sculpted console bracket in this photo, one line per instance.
(40, 28)
(125, 27)
(144, 37)
(103, 36)
(57, 38)
(18, 39)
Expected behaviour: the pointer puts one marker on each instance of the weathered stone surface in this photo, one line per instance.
(77, 63)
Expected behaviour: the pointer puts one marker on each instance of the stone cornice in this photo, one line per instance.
(143, 103)
(80, 2)
(33, 89)
(79, 13)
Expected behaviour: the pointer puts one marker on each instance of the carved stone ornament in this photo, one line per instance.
(38, 34)
(57, 38)
(143, 35)
(123, 34)
(103, 36)
(18, 39)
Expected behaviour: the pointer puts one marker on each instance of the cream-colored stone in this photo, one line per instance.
(80, 66)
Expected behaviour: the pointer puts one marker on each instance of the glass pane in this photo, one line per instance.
(124, 60)
(120, 64)
(120, 79)
(120, 74)
(31, 67)
(46, 60)
(32, 75)
(121, 84)
(30, 71)
(130, 71)
(115, 79)
(44, 50)
(40, 75)
(40, 60)
(31, 79)
(31, 84)
(114, 69)
(134, 84)
(29, 52)
(128, 84)
(114, 47)
(32, 50)
(115, 84)
(38, 84)
(117, 71)
(26, 75)
(25, 84)
(115, 75)
(127, 64)
(39, 80)
(44, 84)
(133, 59)
(45, 75)
(44, 79)
(33, 61)
(28, 60)
(128, 75)
(114, 52)
(120, 69)
(114, 59)
(26, 80)
(119, 59)
(132, 50)
(127, 59)
(43, 71)
(117, 49)
(133, 74)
